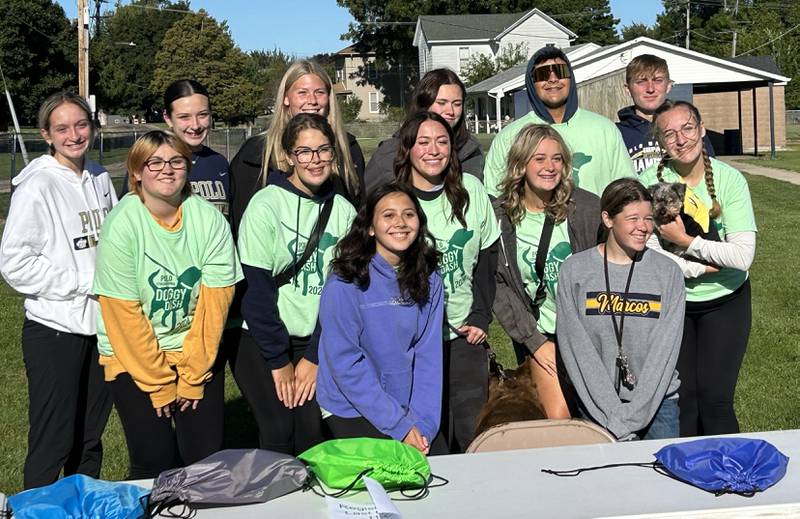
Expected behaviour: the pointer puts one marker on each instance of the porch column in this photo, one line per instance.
(773, 154)
(498, 107)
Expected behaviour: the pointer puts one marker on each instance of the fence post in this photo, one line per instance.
(228, 144)
(13, 157)
(100, 156)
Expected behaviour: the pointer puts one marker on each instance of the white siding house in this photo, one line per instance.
(449, 41)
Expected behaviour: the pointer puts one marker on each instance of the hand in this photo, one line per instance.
(545, 357)
(284, 384)
(675, 232)
(473, 334)
(305, 382)
(165, 410)
(417, 440)
(185, 403)
(711, 269)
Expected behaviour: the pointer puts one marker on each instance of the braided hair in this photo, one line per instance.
(716, 210)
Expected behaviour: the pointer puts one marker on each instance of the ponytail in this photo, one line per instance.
(715, 209)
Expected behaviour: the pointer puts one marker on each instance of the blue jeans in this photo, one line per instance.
(665, 423)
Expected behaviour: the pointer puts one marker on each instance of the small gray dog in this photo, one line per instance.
(668, 205)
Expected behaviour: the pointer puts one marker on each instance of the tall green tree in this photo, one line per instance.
(265, 70)
(122, 56)
(481, 66)
(200, 47)
(38, 53)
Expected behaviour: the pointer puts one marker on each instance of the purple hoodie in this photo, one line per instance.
(380, 355)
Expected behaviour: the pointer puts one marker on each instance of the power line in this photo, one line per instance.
(772, 40)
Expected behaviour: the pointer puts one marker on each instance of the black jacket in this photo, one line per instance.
(512, 305)
(245, 177)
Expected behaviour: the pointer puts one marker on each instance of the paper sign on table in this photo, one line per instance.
(380, 508)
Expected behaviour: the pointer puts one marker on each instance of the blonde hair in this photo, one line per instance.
(512, 186)
(143, 149)
(275, 155)
(53, 101)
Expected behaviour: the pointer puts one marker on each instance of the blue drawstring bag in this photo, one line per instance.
(79, 496)
(740, 466)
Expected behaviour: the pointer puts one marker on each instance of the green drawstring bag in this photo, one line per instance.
(341, 463)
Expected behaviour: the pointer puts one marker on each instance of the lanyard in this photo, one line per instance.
(624, 373)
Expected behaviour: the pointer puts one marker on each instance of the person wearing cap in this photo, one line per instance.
(599, 154)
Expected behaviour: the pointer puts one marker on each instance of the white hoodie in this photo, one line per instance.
(50, 241)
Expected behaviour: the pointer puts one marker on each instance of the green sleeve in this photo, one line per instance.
(621, 163)
(490, 230)
(220, 265)
(257, 236)
(734, 198)
(495, 168)
(115, 272)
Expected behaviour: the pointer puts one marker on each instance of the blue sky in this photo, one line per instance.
(308, 27)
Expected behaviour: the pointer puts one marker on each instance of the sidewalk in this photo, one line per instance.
(793, 177)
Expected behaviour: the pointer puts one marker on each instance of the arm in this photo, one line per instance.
(352, 372)
(24, 267)
(483, 288)
(513, 314)
(736, 252)
(136, 348)
(201, 344)
(621, 163)
(690, 269)
(244, 178)
(495, 167)
(260, 311)
(426, 393)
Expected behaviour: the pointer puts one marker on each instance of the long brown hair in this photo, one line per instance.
(453, 183)
(668, 105)
(513, 185)
(428, 90)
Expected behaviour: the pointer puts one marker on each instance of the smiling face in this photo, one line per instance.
(430, 155)
(449, 103)
(649, 91)
(544, 169)
(309, 176)
(190, 119)
(308, 94)
(395, 225)
(554, 91)
(167, 184)
(69, 134)
(631, 227)
(681, 134)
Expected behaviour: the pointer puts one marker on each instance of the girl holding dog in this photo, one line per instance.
(544, 219)
(620, 313)
(166, 271)
(380, 352)
(459, 215)
(718, 309)
(304, 88)
(286, 243)
(48, 255)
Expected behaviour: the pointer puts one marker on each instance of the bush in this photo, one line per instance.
(350, 107)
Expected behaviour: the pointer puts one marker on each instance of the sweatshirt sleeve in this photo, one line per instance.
(22, 263)
(426, 393)
(136, 348)
(351, 371)
(737, 251)
(245, 172)
(495, 167)
(483, 288)
(260, 312)
(380, 168)
(621, 163)
(201, 344)
(690, 269)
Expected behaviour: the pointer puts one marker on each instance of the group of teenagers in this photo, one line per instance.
(353, 299)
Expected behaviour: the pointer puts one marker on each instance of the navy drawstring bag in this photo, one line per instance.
(742, 466)
(79, 496)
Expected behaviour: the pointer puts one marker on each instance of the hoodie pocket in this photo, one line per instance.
(398, 385)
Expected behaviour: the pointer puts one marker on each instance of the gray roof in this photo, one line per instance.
(498, 79)
(467, 26)
(765, 63)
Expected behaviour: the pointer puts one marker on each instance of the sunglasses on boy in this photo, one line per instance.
(542, 72)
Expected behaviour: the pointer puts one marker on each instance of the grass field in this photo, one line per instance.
(767, 398)
(787, 159)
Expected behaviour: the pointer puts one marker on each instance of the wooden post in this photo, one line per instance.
(772, 152)
(755, 123)
(83, 49)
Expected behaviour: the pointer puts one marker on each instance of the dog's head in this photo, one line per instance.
(667, 201)
(513, 397)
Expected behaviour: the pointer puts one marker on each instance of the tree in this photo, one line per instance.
(122, 56)
(481, 66)
(591, 20)
(38, 53)
(634, 30)
(266, 69)
(201, 48)
(350, 108)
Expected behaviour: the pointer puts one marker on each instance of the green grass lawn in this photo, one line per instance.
(767, 396)
(788, 159)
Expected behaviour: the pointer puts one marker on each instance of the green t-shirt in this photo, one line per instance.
(273, 235)
(460, 246)
(737, 215)
(528, 234)
(599, 155)
(138, 260)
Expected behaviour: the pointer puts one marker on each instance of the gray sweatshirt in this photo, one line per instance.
(651, 341)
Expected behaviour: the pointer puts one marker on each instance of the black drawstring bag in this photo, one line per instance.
(226, 478)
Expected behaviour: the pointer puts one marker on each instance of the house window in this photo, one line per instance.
(374, 105)
(340, 75)
(463, 57)
(372, 72)
(549, 44)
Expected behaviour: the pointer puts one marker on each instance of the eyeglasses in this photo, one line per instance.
(688, 130)
(306, 155)
(177, 163)
(542, 72)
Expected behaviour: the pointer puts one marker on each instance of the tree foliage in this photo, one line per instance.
(199, 47)
(265, 70)
(350, 108)
(121, 72)
(38, 54)
(481, 66)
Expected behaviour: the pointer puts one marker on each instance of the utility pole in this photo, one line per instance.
(688, 5)
(735, 13)
(83, 49)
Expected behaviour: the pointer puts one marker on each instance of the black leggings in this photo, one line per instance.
(280, 429)
(153, 445)
(466, 390)
(715, 335)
